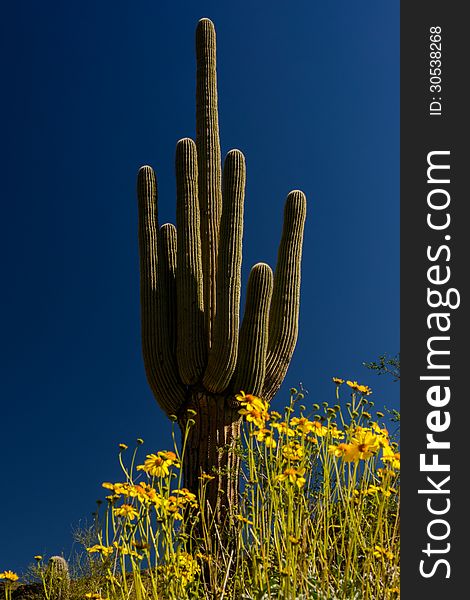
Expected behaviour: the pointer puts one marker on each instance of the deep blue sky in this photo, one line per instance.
(309, 91)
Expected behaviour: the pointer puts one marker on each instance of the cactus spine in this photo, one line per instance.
(196, 354)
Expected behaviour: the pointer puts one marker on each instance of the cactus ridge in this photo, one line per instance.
(191, 281)
(208, 147)
(223, 353)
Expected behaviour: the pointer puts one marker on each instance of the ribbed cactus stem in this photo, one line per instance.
(284, 313)
(254, 332)
(208, 148)
(58, 578)
(159, 360)
(191, 347)
(224, 350)
(166, 319)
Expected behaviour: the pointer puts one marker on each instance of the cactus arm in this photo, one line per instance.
(223, 353)
(209, 162)
(167, 282)
(284, 311)
(159, 366)
(170, 383)
(191, 348)
(253, 345)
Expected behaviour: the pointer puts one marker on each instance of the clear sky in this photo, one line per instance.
(308, 90)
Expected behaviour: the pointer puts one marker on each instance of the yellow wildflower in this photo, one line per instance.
(337, 380)
(293, 451)
(375, 489)
(391, 457)
(311, 439)
(372, 490)
(186, 568)
(171, 506)
(170, 456)
(155, 465)
(363, 389)
(254, 409)
(158, 464)
(145, 493)
(206, 477)
(283, 428)
(348, 452)
(9, 576)
(126, 551)
(366, 442)
(334, 432)
(384, 473)
(293, 540)
(103, 550)
(303, 424)
(293, 475)
(243, 519)
(187, 496)
(119, 489)
(380, 552)
(266, 436)
(319, 429)
(126, 510)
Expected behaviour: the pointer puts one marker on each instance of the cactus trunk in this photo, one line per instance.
(211, 449)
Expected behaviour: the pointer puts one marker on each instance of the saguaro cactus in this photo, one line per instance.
(58, 578)
(196, 355)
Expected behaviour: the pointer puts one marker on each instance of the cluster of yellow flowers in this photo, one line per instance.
(146, 494)
(365, 442)
(293, 452)
(124, 550)
(184, 568)
(356, 387)
(293, 475)
(9, 576)
(255, 410)
(380, 552)
(99, 548)
(373, 490)
(172, 505)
